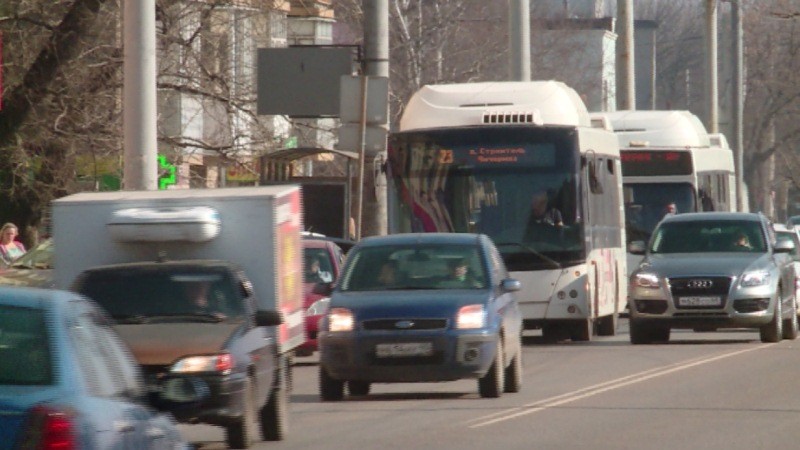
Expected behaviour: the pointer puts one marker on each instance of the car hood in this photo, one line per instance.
(707, 264)
(164, 343)
(27, 277)
(396, 304)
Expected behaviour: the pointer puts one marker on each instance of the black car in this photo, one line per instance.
(199, 318)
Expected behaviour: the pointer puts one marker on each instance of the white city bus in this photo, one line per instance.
(472, 157)
(668, 157)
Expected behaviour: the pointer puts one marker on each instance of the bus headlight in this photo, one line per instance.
(646, 280)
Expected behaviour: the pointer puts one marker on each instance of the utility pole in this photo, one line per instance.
(738, 101)
(519, 35)
(376, 63)
(626, 76)
(711, 72)
(140, 171)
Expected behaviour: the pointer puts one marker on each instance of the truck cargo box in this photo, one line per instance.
(257, 228)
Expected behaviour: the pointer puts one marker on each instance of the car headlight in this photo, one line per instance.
(646, 280)
(760, 278)
(470, 317)
(319, 307)
(222, 363)
(340, 319)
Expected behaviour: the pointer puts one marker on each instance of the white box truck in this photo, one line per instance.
(201, 283)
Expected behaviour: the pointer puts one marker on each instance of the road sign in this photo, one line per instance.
(374, 138)
(377, 100)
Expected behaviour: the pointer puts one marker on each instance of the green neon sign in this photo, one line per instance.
(169, 179)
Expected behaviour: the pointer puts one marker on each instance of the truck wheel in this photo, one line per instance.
(358, 388)
(274, 418)
(330, 390)
(773, 331)
(790, 325)
(513, 373)
(241, 433)
(491, 384)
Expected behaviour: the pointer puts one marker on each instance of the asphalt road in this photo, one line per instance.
(716, 390)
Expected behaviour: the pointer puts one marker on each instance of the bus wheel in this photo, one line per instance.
(581, 330)
(607, 325)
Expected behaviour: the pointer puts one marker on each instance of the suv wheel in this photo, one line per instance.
(513, 373)
(330, 390)
(240, 433)
(790, 325)
(491, 384)
(358, 388)
(773, 331)
(639, 333)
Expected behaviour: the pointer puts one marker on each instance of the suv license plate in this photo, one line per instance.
(404, 349)
(699, 301)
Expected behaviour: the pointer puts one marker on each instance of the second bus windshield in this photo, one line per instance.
(517, 185)
(647, 203)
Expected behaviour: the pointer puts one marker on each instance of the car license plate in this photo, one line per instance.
(700, 301)
(404, 349)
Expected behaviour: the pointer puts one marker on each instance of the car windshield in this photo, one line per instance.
(704, 236)
(407, 267)
(25, 357)
(135, 296)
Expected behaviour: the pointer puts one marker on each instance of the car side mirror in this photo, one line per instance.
(322, 289)
(181, 393)
(637, 248)
(510, 285)
(784, 247)
(268, 318)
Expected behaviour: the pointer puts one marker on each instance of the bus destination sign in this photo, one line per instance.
(655, 162)
(529, 156)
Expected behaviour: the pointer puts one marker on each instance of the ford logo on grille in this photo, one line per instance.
(700, 284)
(405, 324)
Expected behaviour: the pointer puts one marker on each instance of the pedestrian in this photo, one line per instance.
(10, 248)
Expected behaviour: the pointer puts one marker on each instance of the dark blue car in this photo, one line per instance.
(422, 308)
(68, 381)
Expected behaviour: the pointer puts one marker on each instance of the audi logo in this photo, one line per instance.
(700, 284)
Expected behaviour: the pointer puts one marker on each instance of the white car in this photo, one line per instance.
(786, 233)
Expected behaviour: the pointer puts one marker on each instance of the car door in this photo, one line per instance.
(110, 418)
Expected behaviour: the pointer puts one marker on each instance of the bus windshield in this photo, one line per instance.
(646, 204)
(517, 185)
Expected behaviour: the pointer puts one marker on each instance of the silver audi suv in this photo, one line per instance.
(705, 271)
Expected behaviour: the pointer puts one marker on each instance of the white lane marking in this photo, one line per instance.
(600, 388)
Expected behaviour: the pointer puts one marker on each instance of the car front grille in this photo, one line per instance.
(436, 359)
(699, 286)
(404, 324)
(153, 373)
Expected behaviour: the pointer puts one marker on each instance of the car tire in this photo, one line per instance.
(358, 388)
(790, 325)
(330, 390)
(607, 326)
(639, 334)
(660, 334)
(274, 416)
(241, 433)
(491, 385)
(773, 331)
(513, 373)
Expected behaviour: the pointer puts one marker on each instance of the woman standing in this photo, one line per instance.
(10, 248)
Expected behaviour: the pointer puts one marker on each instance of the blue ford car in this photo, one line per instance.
(422, 308)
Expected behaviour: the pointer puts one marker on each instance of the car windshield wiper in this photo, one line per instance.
(542, 256)
(161, 318)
